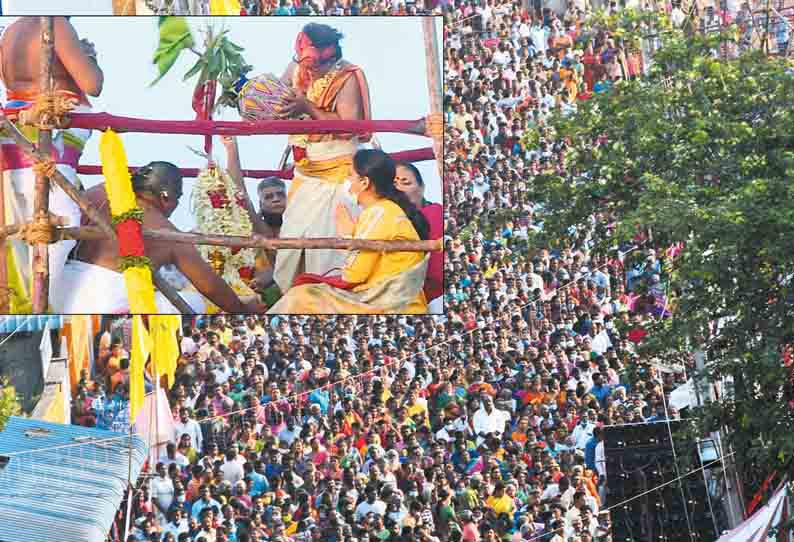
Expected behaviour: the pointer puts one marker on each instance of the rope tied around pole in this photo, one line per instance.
(434, 125)
(42, 230)
(49, 112)
(46, 168)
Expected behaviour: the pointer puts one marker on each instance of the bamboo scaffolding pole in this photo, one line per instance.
(171, 294)
(41, 197)
(85, 206)
(91, 233)
(8, 231)
(36, 154)
(434, 83)
(124, 7)
(5, 294)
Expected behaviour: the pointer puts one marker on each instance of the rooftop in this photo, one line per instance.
(63, 482)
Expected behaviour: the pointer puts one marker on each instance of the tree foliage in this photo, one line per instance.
(701, 152)
(9, 406)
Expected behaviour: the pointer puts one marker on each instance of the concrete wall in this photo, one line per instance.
(20, 362)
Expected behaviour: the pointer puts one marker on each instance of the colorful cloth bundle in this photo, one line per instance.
(263, 97)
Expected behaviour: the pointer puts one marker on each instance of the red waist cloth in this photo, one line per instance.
(30, 96)
(434, 281)
(311, 278)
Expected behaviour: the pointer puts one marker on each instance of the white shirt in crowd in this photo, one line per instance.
(600, 459)
(582, 433)
(192, 428)
(489, 423)
(378, 507)
(188, 346)
(232, 471)
(162, 491)
(179, 459)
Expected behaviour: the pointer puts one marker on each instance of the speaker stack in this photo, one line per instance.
(639, 458)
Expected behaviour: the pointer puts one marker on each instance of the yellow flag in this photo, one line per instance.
(141, 347)
(164, 329)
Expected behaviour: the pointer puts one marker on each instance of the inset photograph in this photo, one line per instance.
(221, 7)
(237, 165)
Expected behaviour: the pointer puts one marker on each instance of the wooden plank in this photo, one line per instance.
(434, 83)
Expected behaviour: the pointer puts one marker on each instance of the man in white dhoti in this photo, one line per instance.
(326, 88)
(76, 74)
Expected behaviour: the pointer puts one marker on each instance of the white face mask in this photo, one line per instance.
(349, 196)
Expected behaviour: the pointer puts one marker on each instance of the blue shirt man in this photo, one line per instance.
(322, 398)
(260, 484)
(206, 501)
(600, 390)
(589, 453)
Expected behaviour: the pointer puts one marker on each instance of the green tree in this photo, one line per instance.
(9, 406)
(701, 152)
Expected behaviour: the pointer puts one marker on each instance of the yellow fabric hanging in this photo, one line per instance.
(225, 7)
(140, 290)
(141, 348)
(19, 292)
(118, 181)
(163, 330)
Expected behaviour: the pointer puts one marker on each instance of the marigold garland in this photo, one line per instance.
(128, 218)
(221, 210)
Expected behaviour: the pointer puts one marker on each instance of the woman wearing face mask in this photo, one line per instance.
(409, 181)
(370, 282)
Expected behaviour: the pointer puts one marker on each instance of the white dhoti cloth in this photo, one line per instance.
(310, 213)
(19, 186)
(99, 290)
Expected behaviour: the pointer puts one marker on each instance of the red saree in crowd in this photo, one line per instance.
(589, 60)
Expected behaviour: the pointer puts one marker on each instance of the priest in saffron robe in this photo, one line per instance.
(326, 87)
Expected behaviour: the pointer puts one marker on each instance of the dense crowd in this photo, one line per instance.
(352, 7)
(310, 7)
(485, 424)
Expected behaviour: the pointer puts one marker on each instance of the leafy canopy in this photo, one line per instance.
(701, 151)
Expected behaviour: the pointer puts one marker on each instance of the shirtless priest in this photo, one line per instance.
(97, 286)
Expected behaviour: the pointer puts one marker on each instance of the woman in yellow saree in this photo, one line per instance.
(370, 282)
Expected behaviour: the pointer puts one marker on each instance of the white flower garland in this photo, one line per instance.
(219, 210)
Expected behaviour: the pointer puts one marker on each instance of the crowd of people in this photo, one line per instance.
(483, 424)
(303, 7)
(396, 428)
(486, 423)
